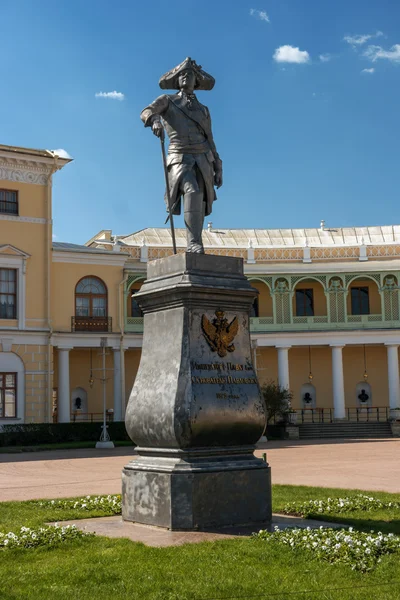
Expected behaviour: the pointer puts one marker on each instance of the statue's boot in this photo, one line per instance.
(194, 217)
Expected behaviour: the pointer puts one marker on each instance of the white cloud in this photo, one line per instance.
(61, 153)
(112, 95)
(368, 70)
(325, 57)
(290, 54)
(359, 40)
(54, 237)
(259, 14)
(376, 52)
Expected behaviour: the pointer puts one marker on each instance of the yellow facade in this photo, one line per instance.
(265, 304)
(320, 303)
(373, 292)
(57, 359)
(65, 276)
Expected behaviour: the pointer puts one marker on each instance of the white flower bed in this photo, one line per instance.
(110, 504)
(48, 535)
(338, 505)
(358, 549)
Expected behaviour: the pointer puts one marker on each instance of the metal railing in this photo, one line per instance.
(311, 320)
(321, 323)
(91, 324)
(134, 324)
(78, 417)
(266, 324)
(367, 414)
(364, 318)
(315, 415)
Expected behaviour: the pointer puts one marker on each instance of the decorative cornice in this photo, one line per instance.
(23, 176)
(35, 166)
(25, 171)
(23, 219)
(327, 338)
(13, 251)
(116, 260)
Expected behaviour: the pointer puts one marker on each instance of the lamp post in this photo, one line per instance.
(105, 441)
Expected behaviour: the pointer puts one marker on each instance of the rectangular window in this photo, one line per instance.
(8, 293)
(360, 301)
(8, 395)
(98, 307)
(304, 303)
(9, 202)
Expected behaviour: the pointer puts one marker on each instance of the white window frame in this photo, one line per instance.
(19, 264)
(12, 363)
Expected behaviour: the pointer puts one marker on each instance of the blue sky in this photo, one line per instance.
(301, 141)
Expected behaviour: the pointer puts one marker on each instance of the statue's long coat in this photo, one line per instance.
(191, 143)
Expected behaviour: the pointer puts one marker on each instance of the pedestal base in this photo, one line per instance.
(394, 414)
(105, 445)
(197, 490)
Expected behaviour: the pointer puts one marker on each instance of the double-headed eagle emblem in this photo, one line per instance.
(220, 333)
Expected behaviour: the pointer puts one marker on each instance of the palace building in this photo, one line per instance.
(325, 324)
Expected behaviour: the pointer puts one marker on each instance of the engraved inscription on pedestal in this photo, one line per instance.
(224, 384)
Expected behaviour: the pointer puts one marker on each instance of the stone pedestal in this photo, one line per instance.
(195, 411)
(394, 414)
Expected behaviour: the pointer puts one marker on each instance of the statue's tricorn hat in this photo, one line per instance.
(204, 81)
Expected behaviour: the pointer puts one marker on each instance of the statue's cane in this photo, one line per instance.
(162, 140)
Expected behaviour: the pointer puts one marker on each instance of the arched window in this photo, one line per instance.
(90, 298)
(254, 310)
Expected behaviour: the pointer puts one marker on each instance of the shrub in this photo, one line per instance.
(275, 432)
(49, 535)
(339, 505)
(110, 505)
(362, 551)
(277, 400)
(31, 434)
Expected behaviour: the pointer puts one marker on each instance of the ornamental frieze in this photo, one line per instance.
(22, 176)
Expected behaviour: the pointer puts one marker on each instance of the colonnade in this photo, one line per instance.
(339, 410)
(64, 391)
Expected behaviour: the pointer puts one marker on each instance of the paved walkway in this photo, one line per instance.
(351, 464)
(115, 527)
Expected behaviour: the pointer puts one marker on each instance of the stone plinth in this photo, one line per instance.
(195, 411)
(395, 426)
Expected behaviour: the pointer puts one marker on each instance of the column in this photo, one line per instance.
(339, 411)
(254, 346)
(283, 366)
(393, 376)
(64, 400)
(117, 385)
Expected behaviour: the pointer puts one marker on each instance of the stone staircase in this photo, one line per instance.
(345, 430)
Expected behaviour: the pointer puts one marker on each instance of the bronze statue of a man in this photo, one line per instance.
(194, 166)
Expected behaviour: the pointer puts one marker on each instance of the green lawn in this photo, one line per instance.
(97, 568)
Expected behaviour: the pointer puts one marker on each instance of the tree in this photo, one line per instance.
(277, 400)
